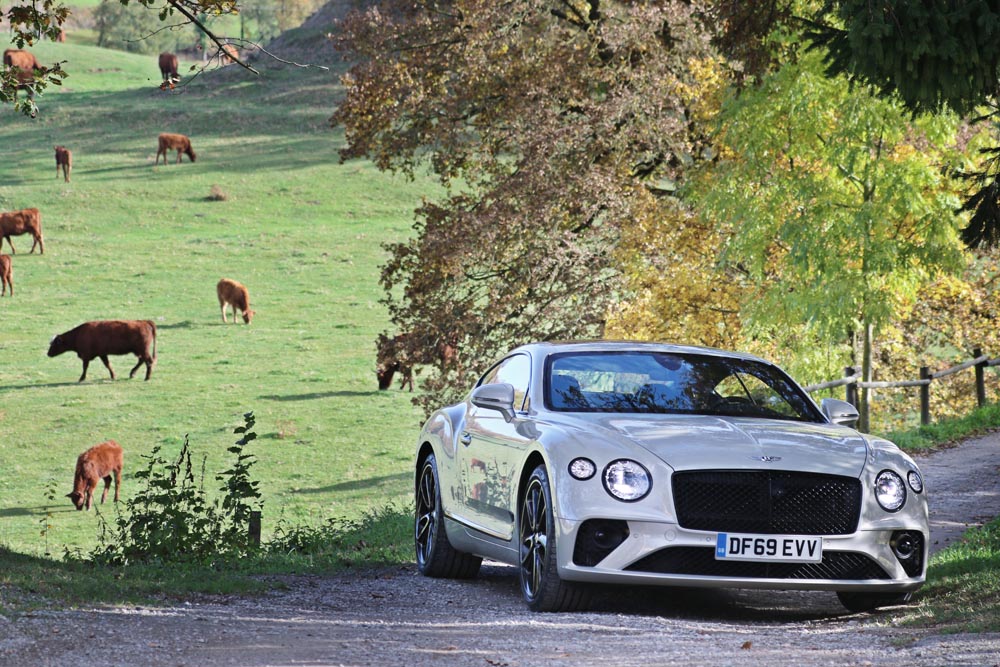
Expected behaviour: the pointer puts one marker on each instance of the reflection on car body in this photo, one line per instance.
(642, 463)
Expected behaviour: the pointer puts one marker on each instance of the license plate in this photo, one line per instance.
(787, 548)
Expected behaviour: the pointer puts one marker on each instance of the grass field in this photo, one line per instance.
(127, 239)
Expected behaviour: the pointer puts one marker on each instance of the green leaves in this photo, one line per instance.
(836, 199)
(171, 519)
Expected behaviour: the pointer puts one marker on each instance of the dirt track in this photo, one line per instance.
(396, 617)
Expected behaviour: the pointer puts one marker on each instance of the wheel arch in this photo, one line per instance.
(534, 460)
(423, 451)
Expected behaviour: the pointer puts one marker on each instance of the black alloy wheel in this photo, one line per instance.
(436, 557)
(541, 586)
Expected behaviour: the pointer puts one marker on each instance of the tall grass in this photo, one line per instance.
(127, 239)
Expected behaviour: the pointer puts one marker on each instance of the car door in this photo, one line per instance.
(490, 451)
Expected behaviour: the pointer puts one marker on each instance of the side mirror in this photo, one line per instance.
(495, 397)
(839, 412)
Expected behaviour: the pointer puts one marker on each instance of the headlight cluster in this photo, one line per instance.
(627, 480)
(624, 479)
(890, 491)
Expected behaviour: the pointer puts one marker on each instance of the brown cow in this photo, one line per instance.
(23, 60)
(228, 54)
(232, 293)
(98, 462)
(391, 358)
(6, 274)
(396, 355)
(25, 221)
(177, 142)
(101, 338)
(168, 68)
(64, 161)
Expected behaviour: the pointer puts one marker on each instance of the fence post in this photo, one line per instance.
(255, 527)
(851, 389)
(980, 382)
(925, 396)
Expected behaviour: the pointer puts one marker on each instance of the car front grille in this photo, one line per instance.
(836, 565)
(767, 502)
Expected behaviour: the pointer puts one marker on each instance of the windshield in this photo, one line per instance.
(697, 384)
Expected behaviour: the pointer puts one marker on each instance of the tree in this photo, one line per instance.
(134, 29)
(547, 121)
(838, 208)
(933, 55)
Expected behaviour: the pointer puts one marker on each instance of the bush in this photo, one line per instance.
(171, 518)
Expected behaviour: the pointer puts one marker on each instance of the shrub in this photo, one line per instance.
(171, 518)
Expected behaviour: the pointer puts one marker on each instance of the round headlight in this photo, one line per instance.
(627, 480)
(890, 490)
(913, 478)
(582, 468)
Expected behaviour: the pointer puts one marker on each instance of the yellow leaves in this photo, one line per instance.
(678, 293)
(706, 92)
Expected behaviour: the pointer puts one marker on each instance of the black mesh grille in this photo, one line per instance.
(838, 565)
(767, 502)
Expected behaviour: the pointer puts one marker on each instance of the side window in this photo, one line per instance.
(514, 370)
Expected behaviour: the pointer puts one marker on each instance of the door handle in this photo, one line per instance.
(466, 438)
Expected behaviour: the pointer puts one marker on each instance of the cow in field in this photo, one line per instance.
(177, 142)
(232, 293)
(168, 68)
(23, 60)
(25, 221)
(228, 54)
(64, 162)
(97, 463)
(99, 339)
(6, 275)
(402, 352)
(391, 358)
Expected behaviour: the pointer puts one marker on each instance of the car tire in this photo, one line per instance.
(541, 586)
(435, 555)
(859, 602)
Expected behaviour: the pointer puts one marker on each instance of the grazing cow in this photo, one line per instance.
(232, 293)
(391, 358)
(97, 463)
(400, 354)
(168, 68)
(23, 60)
(228, 54)
(25, 221)
(177, 142)
(6, 274)
(101, 338)
(64, 161)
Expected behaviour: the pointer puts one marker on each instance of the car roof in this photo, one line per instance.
(558, 347)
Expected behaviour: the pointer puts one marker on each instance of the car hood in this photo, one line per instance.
(695, 442)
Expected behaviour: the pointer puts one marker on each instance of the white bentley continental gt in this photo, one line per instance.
(664, 465)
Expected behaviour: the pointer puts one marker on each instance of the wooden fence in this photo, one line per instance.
(852, 381)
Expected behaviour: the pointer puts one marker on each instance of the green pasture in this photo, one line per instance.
(130, 240)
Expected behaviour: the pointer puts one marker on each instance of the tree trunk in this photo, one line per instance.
(864, 422)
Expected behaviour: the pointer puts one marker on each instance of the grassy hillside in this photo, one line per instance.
(127, 239)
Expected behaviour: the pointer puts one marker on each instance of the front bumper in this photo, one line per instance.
(655, 553)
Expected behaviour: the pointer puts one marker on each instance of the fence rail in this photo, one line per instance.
(852, 380)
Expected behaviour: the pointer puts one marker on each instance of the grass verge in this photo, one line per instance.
(962, 593)
(380, 538)
(948, 431)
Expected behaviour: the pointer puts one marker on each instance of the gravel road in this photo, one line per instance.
(397, 617)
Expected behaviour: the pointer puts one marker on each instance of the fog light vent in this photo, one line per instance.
(597, 538)
(908, 547)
